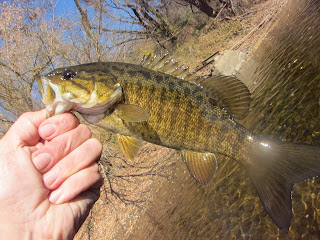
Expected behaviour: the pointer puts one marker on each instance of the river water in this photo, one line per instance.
(284, 78)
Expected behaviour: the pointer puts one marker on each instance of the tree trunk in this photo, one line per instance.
(204, 7)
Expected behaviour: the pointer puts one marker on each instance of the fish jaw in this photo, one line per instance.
(58, 108)
(57, 103)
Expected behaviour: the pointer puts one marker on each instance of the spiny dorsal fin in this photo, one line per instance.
(146, 59)
(230, 92)
(167, 65)
(129, 146)
(132, 113)
(202, 166)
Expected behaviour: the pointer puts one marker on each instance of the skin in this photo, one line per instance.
(47, 199)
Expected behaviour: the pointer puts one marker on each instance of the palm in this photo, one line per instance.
(24, 197)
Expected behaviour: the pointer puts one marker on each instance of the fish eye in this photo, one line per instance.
(69, 74)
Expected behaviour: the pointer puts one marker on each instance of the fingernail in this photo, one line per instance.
(50, 177)
(47, 130)
(55, 195)
(42, 161)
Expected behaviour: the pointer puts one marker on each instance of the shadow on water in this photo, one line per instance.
(284, 78)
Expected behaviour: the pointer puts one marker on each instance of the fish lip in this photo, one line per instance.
(38, 79)
(45, 86)
(41, 80)
(59, 107)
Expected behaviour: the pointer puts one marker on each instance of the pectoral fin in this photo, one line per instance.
(129, 146)
(132, 113)
(202, 166)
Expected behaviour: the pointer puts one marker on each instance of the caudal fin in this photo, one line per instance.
(276, 168)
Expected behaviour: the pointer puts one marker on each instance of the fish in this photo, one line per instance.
(161, 102)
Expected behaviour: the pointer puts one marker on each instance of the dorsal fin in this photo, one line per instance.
(146, 60)
(230, 92)
(167, 65)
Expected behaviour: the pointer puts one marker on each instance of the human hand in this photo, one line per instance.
(48, 197)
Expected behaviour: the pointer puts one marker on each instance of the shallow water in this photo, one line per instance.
(284, 78)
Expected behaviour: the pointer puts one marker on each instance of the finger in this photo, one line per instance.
(24, 132)
(36, 147)
(57, 125)
(47, 156)
(84, 202)
(82, 157)
(76, 184)
(92, 194)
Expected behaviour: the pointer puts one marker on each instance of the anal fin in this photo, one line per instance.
(202, 166)
(129, 146)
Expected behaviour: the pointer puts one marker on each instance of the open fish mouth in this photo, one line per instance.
(57, 102)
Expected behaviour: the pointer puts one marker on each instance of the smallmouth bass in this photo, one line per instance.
(164, 104)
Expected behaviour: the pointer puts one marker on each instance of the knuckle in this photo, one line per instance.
(96, 148)
(95, 167)
(70, 119)
(85, 131)
(97, 144)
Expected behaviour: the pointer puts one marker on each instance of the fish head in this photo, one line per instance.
(81, 88)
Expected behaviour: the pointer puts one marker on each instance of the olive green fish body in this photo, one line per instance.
(183, 114)
(164, 104)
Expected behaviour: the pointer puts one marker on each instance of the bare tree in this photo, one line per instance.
(30, 43)
(20, 61)
(130, 20)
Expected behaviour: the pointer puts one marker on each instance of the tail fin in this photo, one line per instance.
(277, 166)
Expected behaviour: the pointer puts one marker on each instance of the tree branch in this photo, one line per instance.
(86, 25)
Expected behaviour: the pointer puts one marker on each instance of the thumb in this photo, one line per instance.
(24, 132)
